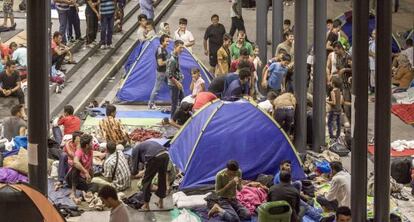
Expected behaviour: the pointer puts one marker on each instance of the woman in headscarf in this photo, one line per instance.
(164, 29)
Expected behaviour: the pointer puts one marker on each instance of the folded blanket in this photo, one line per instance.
(181, 200)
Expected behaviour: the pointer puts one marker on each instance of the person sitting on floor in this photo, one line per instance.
(287, 192)
(181, 115)
(267, 105)
(197, 85)
(286, 165)
(10, 82)
(67, 156)
(80, 174)
(155, 159)
(116, 169)
(19, 55)
(111, 129)
(340, 192)
(70, 122)
(228, 181)
(119, 212)
(404, 74)
(15, 125)
(343, 214)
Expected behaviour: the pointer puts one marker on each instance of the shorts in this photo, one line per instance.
(8, 8)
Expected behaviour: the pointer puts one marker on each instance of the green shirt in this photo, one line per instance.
(235, 51)
(222, 179)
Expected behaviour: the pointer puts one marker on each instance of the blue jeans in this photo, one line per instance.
(63, 166)
(234, 211)
(176, 97)
(107, 28)
(285, 117)
(63, 23)
(332, 115)
(161, 77)
(74, 22)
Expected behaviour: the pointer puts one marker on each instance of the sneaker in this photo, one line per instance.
(152, 106)
(103, 47)
(110, 46)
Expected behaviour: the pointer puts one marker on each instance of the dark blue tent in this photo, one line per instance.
(224, 130)
(141, 73)
(346, 19)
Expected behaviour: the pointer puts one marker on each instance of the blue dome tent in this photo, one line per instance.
(141, 73)
(222, 131)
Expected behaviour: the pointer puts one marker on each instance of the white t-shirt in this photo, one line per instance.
(141, 34)
(186, 37)
(372, 59)
(119, 214)
(409, 53)
(266, 106)
(232, 12)
(197, 86)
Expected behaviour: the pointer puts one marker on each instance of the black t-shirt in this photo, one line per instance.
(9, 82)
(180, 117)
(214, 34)
(88, 9)
(332, 37)
(217, 85)
(161, 54)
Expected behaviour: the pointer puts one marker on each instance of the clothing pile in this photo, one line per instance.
(140, 134)
(401, 145)
(181, 200)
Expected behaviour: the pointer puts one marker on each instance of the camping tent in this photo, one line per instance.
(21, 202)
(141, 73)
(224, 130)
(346, 19)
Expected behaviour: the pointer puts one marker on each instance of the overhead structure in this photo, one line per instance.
(224, 130)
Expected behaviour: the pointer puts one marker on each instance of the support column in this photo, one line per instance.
(277, 24)
(383, 111)
(38, 49)
(360, 15)
(261, 33)
(300, 74)
(319, 75)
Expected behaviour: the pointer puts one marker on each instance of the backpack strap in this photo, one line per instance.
(116, 165)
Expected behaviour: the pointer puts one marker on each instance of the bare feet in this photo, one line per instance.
(214, 210)
(75, 199)
(160, 203)
(58, 185)
(145, 207)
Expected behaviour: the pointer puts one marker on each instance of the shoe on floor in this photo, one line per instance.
(103, 47)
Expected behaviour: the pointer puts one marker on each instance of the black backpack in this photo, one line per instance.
(400, 170)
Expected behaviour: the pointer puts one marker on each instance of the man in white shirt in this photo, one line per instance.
(267, 105)
(119, 212)
(339, 195)
(409, 51)
(142, 20)
(184, 35)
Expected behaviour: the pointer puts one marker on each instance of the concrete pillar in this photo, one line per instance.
(300, 74)
(277, 24)
(360, 16)
(261, 27)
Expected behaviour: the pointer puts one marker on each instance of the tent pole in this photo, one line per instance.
(319, 75)
(38, 48)
(360, 16)
(301, 25)
(383, 111)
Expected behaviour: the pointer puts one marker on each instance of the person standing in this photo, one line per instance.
(161, 55)
(241, 43)
(142, 28)
(287, 45)
(92, 15)
(184, 35)
(155, 159)
(372, 61)
(213, 40)
(228, 181)
(8, 13)
(147, 8)
(62, 7)
(11, 83)
(278, 71)
(223, 57)
(107, 12)
(74, 22)
(175, 77)
(119, 212)
(237, 22)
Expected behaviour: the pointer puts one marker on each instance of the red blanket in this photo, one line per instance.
(404, 111)
(251, 197)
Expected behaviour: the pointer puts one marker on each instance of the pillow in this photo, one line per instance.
(18, 162)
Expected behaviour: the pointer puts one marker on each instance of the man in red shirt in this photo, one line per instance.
(202, 99)
(244, 56)
(70, 122)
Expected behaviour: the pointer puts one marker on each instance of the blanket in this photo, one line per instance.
(11, 176)
(251, 197)
(181, 200)
(405, 112)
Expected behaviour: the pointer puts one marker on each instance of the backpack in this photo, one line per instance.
(400, 170)
(339, 149)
